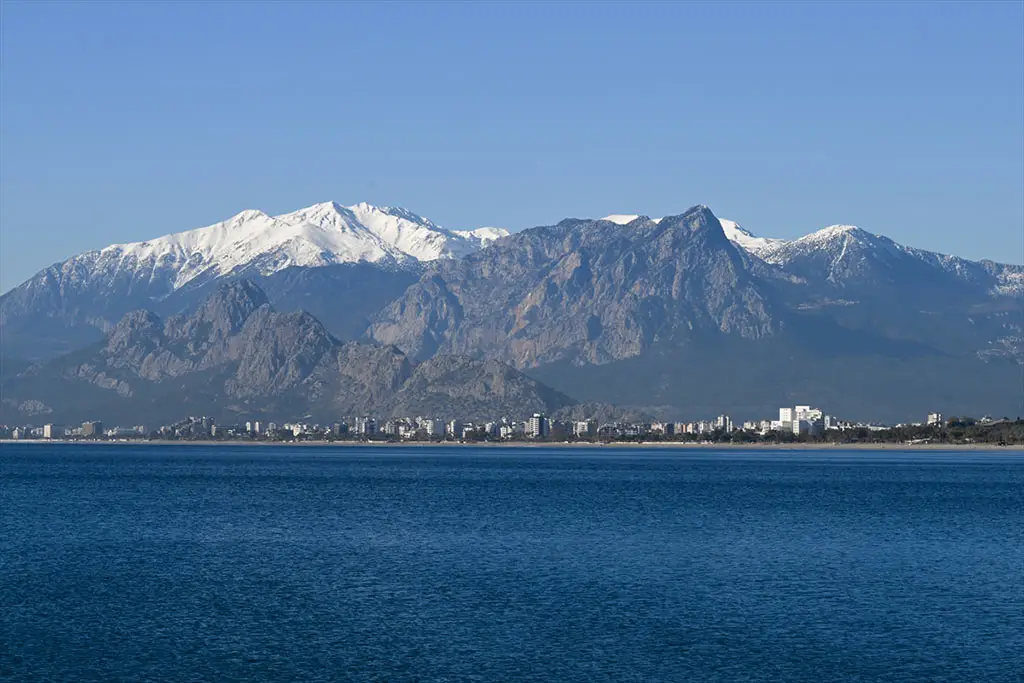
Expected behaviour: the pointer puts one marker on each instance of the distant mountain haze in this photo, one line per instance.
(667, 316)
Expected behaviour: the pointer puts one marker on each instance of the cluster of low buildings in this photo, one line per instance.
(799, 421)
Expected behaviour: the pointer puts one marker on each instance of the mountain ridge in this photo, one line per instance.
(235, 356)
(73, 302)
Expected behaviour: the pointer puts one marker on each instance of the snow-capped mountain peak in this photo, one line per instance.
(319, 235)
(833, 232)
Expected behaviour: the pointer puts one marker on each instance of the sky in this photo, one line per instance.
(125, 121)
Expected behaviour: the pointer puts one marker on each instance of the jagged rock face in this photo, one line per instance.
(223, 330)
(469, 388)
(587, 291)
(269, 353)
(365, 377)
(277, 352)
(223, 314)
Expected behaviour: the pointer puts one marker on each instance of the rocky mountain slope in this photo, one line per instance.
(74, 302)
(585, 291)
(236, 357)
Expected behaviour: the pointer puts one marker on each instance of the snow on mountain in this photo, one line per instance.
(752, 243)
(835, 239)
(844, 253)
(625, 218)
(621, 218)
(319, 235)
(485, 235)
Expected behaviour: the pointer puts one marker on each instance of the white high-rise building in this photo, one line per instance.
(785, 417)
(538, 427)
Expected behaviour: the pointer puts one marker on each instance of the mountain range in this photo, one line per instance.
(237, 358)
(672, 316)
(342, 263)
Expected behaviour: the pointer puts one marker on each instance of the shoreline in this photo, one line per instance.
(1011, 448)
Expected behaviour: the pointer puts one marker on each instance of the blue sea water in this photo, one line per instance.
(196, 563)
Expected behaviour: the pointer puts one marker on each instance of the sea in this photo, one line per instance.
(242, 563)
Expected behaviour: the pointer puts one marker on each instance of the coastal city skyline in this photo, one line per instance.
(801, 422)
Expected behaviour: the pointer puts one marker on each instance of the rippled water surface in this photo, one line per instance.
(124, 563)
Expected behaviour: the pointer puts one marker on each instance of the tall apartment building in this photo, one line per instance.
(366, 426)
(785, 417)
(94, 428)
(538, 427)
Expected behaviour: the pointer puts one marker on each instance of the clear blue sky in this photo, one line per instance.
(123, 121)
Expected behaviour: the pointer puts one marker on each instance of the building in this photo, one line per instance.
(584, 429)
(49, 432)
(92, 429)
(809, 427)
(934, 419)
(539, 427)
(723, 422)
(663, 428)
(785, 418)
(431, 427)
(807, 413)
(366, 426)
